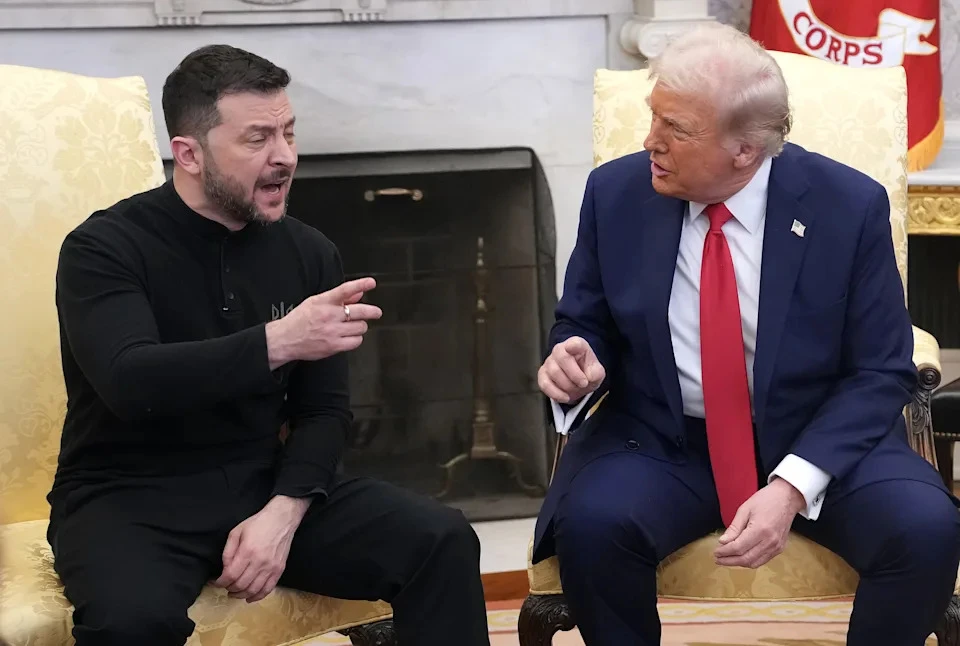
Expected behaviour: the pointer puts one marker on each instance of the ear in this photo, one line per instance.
(187, 153)
(746, 155)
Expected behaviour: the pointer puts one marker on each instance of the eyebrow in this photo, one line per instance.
(268, 128)
(672, 122)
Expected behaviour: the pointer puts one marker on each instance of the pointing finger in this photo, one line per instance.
(356, 298)
(342, 293)
(575, 346)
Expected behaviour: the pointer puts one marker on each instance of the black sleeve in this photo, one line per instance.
(107, 319)
(319, 416)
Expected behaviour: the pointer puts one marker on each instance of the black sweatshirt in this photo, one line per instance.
(162, 316)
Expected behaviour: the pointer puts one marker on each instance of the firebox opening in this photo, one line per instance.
(444, 387)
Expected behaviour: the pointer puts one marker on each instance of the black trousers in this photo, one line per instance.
(134, 554)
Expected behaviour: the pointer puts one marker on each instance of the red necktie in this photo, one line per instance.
(726, 396)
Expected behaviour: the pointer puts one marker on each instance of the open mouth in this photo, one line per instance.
(273, 189)
(658, 170)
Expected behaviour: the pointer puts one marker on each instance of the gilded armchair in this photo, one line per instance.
(856, 116)
(69, 145)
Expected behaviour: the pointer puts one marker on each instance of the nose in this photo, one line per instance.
(284, 153)
(654, 142)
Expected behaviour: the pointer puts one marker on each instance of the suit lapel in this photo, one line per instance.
(783, 252)
(662, 219)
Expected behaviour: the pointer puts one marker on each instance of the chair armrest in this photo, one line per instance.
(926, 356)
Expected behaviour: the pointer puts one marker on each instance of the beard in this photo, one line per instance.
(228, 194)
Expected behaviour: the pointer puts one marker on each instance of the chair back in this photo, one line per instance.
(69, 145)
(854, 115)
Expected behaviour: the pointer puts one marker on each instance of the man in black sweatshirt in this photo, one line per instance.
(183, 359)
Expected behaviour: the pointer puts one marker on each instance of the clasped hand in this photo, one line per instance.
(255, 555)
(760, 528)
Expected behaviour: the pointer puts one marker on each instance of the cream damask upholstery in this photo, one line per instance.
(34, 612)
(853, 115)
(68, 146)
(804, 571)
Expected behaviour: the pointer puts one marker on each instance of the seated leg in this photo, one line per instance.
(903, 537)
(622, 514)
(371, 540)
(130, 578)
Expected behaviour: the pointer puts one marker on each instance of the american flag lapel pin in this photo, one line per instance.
(797, 228)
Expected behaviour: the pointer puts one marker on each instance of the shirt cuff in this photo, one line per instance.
(810, 480)
(563, 420)
(300, 480)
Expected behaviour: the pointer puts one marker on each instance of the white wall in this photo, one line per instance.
(391, 86)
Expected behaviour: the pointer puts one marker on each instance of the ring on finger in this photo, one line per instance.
(346, 312)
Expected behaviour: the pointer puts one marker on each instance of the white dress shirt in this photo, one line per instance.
(744, 234)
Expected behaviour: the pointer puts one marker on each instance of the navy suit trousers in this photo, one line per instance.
(625, 511)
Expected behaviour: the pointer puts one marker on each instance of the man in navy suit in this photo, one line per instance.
(738, 300)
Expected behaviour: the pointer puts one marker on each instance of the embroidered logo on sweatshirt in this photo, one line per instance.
(279, 311)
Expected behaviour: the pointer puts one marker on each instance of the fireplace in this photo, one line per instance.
(932, 291)
(444, 387)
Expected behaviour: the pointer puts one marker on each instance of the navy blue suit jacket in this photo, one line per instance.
(833, 368)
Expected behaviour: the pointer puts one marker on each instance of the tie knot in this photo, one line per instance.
(718, 214)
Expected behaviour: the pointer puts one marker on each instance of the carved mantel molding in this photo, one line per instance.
(934, 194)
(934, 210)
(199, 12)
(73, 14)
(655, 22)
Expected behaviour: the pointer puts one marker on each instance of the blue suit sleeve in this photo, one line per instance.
(582, 310)
(877, 358)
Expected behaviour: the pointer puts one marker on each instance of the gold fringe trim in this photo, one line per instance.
(926, 150)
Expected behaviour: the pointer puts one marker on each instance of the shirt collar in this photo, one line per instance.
(204, 227)
(749, 204)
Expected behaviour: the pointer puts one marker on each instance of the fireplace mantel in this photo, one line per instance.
(100, 14)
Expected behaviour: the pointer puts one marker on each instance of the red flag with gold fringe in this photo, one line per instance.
(869, 33)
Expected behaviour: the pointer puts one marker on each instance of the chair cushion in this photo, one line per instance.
(35, 612)
(804, 570)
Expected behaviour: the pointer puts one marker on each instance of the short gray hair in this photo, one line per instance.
(737, 74)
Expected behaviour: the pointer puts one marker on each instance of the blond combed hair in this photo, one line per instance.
(737, 74)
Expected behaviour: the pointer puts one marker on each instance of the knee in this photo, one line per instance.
(586, 524)
(927, 536)
(448, 531)
(130, 618)
(936, 533)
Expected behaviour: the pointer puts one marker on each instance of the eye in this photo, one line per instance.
(678, 131)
